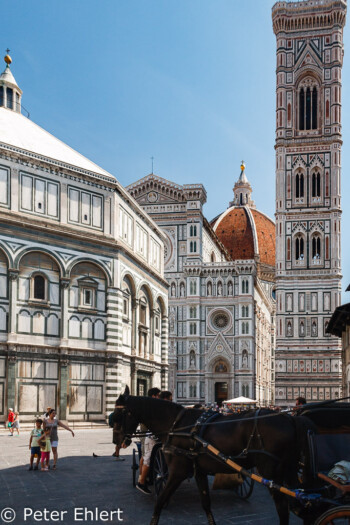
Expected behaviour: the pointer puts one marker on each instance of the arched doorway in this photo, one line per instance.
(221, 392)
(221, 387)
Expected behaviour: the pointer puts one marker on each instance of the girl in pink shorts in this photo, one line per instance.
(45, 445)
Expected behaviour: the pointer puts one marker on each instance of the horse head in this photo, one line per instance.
(125, 424)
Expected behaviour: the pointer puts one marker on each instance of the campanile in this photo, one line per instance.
(309, 36)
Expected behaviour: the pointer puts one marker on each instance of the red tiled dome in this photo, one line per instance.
(235, 230)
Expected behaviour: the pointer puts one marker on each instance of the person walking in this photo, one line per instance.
(15, 424)
(52, 424)
(10, 420)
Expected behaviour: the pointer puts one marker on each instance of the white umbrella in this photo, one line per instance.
(240, 401)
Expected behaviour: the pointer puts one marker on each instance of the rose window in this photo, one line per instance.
(220, 320)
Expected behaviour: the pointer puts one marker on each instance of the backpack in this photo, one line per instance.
(111, 419)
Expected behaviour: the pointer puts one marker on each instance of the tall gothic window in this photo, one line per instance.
(316, 247)
(245, 286)
(193, 231)
(299, 185)
(9, 98)
(299, 248)
(316, 185)
(308, 105)
(193, 288)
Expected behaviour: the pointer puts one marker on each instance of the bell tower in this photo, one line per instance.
(309, 37)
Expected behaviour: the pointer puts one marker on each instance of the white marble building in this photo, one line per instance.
(221, 305)
(83, 301)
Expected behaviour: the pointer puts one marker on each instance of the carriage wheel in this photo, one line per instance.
(336, 516)
(134, 467)
(160, 472)
(245, 489)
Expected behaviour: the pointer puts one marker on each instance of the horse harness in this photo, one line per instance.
(197, 432)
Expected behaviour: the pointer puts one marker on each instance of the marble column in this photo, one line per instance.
(13, 287)
(64, 311)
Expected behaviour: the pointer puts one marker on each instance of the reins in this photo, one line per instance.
(181, 429)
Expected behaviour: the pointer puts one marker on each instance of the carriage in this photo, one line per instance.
(292, 454)
(328, 446)
(158, 472)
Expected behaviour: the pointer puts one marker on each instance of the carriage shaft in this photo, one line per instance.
(232, 464)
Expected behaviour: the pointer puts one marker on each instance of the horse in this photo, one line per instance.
(270, 441)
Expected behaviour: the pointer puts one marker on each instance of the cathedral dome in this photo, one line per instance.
(246, 232)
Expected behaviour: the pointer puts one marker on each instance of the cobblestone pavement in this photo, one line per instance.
(83, 481)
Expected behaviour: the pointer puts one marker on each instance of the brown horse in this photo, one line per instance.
(275, 443)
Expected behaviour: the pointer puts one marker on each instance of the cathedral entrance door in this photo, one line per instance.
(221, 391)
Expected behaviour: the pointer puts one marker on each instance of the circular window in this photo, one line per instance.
(220, 320)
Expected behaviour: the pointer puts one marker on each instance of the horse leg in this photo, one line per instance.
(174, 481)
(203, 487)
(282, 506)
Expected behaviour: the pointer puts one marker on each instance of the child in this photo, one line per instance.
(10, 419)
(34, 446)
(15, 424)
(45, 445)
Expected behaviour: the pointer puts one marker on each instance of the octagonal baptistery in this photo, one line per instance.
(246, 232)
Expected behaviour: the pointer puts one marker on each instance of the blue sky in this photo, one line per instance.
(190, 82)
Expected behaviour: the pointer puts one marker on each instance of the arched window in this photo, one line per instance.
(245, 328)
(308, 104)
(39, 287)
(299, 248)
(193, 328)
(245, 311)
(1, 96)
(240, 199)
(193, 231)
(193, 312)
(193, 288)
(316, 185)
(288, 249)
(9, 98)
(299, 185)
(245, 390)
(301, 109)
(245, 286)
(316, 247)
(212, 257)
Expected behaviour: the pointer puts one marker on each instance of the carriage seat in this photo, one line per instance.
(326, 450)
